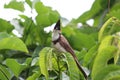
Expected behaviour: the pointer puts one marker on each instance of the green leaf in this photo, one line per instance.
(102, 30)
(115, 7)
(13, 43)
(96, 8)
(107, 41)
(4, 35)
(34, 76)
(115, 75)
(28, 61)
(41, 9)
(30, 32)
(15, 5)
(80, 54)
(23, 17)
(35, 61)
(15, 67)
(98, 21)
(79, 39)
(74, 73)
(102, 58)
(43, 20)
(1, 58)
(53, 16)
(114, 13)
(105, 52)
(44, 61)
(111, 72)
(90, 56)
(117, 54)
(5, 26)
(111, 26)
(84, 41)
(55, 64)
(29, 3)
(4, 73)
(46, 16)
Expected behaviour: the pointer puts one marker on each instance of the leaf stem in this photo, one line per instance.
(58, 62)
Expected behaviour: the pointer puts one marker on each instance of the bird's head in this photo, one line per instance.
(56, 32)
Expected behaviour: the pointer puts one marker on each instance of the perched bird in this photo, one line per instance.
(62, 45)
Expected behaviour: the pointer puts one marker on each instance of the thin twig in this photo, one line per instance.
(58, 61)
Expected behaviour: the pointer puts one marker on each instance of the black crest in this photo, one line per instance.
(57, 26)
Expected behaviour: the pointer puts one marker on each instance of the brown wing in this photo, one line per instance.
(64, 43)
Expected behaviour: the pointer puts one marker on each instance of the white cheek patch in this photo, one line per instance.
(55, 35)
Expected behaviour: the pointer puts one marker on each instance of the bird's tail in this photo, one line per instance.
(79, 66)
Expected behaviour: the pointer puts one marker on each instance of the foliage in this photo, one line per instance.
(31, 57)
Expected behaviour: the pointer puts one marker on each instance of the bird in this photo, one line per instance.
(62, 45)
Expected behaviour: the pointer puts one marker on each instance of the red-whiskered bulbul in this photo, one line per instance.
(62, 45)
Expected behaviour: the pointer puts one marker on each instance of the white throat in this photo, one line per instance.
(55, 35)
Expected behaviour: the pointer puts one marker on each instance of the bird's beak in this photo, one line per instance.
(57, 26)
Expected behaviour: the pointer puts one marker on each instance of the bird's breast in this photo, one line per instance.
(59, 47)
